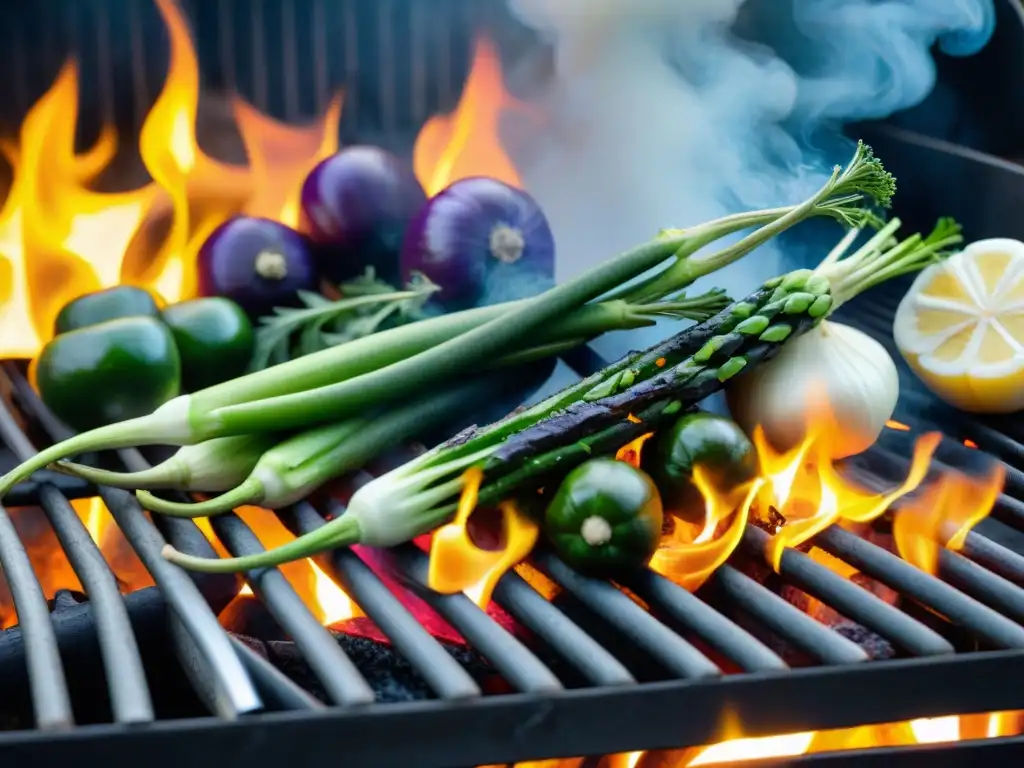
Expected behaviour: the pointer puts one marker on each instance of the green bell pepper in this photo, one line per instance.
(714, 443)
(109, 304)
(604, 518)
(109, 372)
(214, 337)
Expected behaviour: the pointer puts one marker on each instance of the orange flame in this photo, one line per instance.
(325, 599)
(630, 452)
(281, 156)
(734, 748)
(804, 487)
(943, 515)
(467, 142)
(59, 238)
(690, 554)
(459, 565)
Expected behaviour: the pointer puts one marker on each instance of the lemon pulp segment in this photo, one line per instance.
(961, 327)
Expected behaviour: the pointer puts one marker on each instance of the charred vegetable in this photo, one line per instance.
(482, 242)
(355, 207)
(529, 449)
(714, 443)
(214, 337)
(350, 379)
(298, 465)
(110, 304)
(109, 372)
(257, 263)
(605, 517)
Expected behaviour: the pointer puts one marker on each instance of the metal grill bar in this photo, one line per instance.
(508, 654)
(333, 668)
(234, 693)
(26, 494)
(692, 613)
(527, 605)
(276, 688)
(442, 673)
(851, 600)
(510, 657)
(994, 557)
(992, 590)
(900, 575)
(785, 619)
(995, 442)
(50, 699)
(881, 460)
(677, 655)
(129, 693)
(231, 690)
(523, 670)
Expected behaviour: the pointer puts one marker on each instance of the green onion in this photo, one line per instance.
(213, 465)
(515, 458)
(297, 466)
(323, 386)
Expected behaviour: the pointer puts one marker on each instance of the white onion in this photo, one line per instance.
(853, 372)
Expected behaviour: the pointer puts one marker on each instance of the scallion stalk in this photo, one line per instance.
(213, 465)
(296, 394)
(514, 458)
(299, 465)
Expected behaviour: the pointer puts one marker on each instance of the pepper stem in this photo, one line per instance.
(596, 531)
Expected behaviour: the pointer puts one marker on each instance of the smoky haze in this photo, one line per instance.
(665, 113)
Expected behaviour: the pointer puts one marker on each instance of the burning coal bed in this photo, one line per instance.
(257, 353)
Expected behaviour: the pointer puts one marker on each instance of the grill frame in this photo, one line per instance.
(462, 728)
(544, 721)
(515, 727)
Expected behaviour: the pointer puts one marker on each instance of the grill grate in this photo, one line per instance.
(691, 638)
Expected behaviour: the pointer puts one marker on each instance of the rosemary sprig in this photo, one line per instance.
(366, 305)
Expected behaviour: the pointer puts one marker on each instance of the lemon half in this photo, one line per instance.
(961, 327)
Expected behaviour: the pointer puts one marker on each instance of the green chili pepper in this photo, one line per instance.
(605, 517)
(215, 340)
(714, 443)
(110, 304)
(109, 372)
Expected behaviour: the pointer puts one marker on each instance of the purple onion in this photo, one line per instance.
(258, 263)
(482, 242)
(355, 207)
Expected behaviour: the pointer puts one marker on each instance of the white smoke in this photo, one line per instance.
(659, 115)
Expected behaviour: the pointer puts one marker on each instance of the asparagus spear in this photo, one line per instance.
(798, 302)
(519, 452)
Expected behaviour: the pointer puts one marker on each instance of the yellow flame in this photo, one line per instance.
(459, 565)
